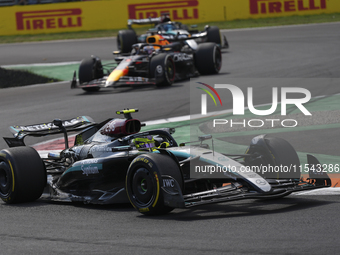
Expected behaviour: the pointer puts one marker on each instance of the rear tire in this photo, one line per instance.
(208, 58)
(144, 181)
(125, 40)
(22, 175)
(163, 66)
(89, 70)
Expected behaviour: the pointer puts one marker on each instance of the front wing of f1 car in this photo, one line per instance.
(124, 81)
(240, 183)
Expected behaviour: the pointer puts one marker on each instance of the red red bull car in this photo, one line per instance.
(156, 62)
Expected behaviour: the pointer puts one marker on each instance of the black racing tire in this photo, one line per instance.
(208, 58)
(22, 175)
(89, 70)
(213, 35)
(284, 155)
(144, 182)
(281, 154)
(125, 40)
(162, 65)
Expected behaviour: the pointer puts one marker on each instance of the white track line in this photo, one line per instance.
(43, 64)
(323, 191)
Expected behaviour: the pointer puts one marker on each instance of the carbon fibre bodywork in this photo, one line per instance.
(105, 166)
(150, 63)
(136, 70)
(175, 31)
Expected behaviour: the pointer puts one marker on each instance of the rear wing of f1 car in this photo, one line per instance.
(143, 21)
(49, 128)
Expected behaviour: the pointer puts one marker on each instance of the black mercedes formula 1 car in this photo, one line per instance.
(114, 162)
(170, 30)
(156, 62)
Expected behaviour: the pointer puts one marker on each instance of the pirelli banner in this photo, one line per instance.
(113, 14)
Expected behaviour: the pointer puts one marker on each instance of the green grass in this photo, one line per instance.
(278, 21)
(16, 78)
(63, 72)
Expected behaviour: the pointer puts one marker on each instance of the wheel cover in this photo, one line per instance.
(143, 187)
(217, 59)
(5, 179)
(170, 71)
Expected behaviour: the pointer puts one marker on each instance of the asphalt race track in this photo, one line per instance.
(297, 224)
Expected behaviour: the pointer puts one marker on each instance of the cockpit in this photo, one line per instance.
(140, 49)
(167, 27)
(127, 133)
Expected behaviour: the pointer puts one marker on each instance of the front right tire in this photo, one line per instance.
(89, 70)
(125, 40)
(213, 35)
(208, 58)
(275, 153)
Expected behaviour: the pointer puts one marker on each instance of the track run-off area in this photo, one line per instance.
(303, 56)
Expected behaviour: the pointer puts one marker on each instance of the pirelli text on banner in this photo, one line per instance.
(48, 19)
(97, 15)
(285, 6)
(178, 10)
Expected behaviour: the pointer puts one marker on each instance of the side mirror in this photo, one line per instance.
(57, 122)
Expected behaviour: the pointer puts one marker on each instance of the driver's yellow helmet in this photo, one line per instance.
(144, 142)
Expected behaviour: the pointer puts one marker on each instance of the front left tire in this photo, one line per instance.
(162, 68)
(144, 182)
(22, 175)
